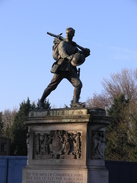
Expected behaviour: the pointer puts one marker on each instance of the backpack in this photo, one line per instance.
(55, 48)
(55, 66)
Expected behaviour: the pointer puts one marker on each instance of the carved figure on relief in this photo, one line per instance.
(98, 144)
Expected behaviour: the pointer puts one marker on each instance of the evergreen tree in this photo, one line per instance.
(119, 134)
(19, 130)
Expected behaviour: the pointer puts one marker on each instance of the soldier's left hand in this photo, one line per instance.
(87, 52)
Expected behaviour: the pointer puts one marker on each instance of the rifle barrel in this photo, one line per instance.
(54, 35)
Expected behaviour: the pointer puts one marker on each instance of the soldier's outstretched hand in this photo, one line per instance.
(86, 52)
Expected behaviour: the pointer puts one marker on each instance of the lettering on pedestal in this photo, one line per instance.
(57, 144)
(52, 177)
(97, 144)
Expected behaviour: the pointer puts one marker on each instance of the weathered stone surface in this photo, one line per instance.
(66, 141)
(55, 176)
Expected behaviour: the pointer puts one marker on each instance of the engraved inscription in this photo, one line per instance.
(43, 177)
(58, 144)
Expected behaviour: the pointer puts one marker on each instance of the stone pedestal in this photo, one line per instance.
(66, 146)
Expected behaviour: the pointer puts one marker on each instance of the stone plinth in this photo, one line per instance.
(66, 146)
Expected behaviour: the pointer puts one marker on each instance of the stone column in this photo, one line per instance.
(66, 146)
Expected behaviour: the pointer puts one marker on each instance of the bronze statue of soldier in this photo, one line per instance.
(67, 56)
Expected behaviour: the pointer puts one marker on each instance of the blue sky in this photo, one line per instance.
(107, 27)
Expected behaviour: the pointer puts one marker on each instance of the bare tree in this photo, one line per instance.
(99, 101)
(8, 118)
(124, 82)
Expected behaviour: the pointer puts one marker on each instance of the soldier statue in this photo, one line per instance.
(68, 55)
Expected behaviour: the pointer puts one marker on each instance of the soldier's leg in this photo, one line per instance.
(74, 79)
(52, 86)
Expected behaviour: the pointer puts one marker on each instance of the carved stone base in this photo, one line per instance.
(66, 146)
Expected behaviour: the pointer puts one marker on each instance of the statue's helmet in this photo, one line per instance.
(78, 59)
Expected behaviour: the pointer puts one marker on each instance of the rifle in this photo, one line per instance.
(63, 39)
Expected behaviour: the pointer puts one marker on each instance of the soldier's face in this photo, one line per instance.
(69, 35)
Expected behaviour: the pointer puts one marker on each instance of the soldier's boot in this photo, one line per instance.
(40, 104)
(76, 97)
(41, 101)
